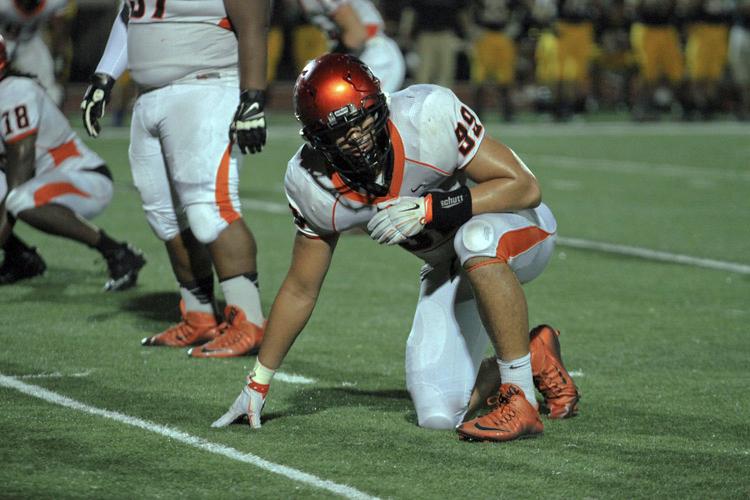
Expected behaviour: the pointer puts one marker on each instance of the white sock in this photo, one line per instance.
(194, 303)
(240, 291)
(518, 371)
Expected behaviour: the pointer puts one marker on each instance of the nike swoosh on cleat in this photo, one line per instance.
(483, 428)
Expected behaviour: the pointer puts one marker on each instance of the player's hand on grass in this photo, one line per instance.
(248, 128)
(398, 220)
(250, 402)
(94, 102)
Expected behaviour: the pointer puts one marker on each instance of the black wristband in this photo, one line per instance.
(450, 209)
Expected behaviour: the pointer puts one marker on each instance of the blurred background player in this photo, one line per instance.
(495, 25)
(575, 35)
(397, 169)
(706, 52)
(22, 23)
(54, 183)
(655, 39)
(436, 31)
(739, 57)
(546, 53)
(183, 55)
(356, 27)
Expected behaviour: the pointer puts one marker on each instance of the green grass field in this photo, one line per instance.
(659, 349)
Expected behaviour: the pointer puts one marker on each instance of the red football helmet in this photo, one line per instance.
(344, 115)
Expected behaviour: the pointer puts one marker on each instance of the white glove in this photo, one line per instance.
(398, 220)
(250, 402)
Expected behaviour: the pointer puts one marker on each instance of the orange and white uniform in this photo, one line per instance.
(434, 136)
(27, 50)
(64, 168)
(182, 55)
(380, 53)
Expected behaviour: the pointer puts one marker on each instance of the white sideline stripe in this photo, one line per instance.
(645, 253)
(290, 378)
(182, 437)
(634, 167)
(56, 375)
(615, 128)
(266, 206)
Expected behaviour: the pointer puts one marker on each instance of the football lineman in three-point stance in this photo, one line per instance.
(397, 169)
(183, 55)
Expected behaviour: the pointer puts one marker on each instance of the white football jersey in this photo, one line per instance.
(20, 25)
(434, 136)
(176, 39)
(319, 12)
(25, 109)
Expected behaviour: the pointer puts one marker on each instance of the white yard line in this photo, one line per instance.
(56, 375)
(592, 129)
(182, 437)
(290, 378)
(644, 253)
(632, 167)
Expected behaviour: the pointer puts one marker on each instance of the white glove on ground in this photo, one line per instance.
(250, 402)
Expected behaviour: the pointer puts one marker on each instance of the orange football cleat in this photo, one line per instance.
(550, 376)
(194, 329)
(237, 337)
(511, 417)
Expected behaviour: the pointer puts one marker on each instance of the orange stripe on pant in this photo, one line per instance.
(63, 152)
(223, 200)
(518, 241)
(50, 191)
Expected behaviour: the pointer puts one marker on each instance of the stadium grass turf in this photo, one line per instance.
(659, 350)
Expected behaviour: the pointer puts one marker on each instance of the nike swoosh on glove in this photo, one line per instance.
(248, 128)
(250, 402)
(95, 100)
(399, 220)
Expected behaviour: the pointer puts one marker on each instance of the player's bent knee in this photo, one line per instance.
(164, 224)
(205, 222)
(437, 422)
(18, 200)
(435, 409)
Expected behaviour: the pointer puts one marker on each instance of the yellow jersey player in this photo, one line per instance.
(706, 52)
(495, 26)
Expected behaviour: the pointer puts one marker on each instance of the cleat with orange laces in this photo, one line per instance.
(550, 376)
(511, 417)
(195, 328)
(237, 337)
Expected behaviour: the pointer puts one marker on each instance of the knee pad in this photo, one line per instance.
(18, 200)
(205, 222)
(476, 238)
(164, 223)
(435, 409)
